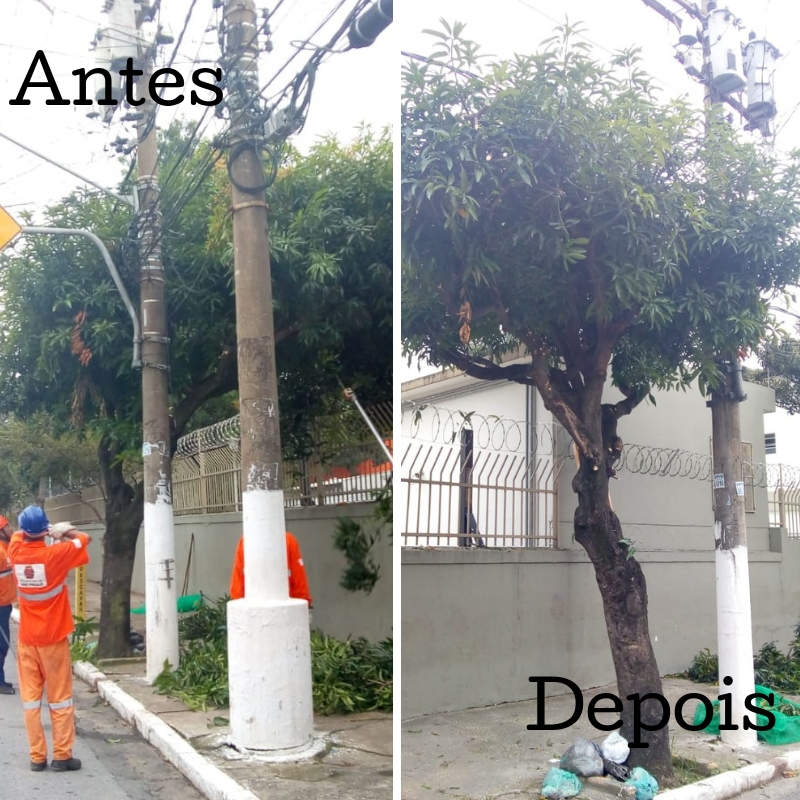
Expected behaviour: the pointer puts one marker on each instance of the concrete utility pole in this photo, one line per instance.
(161, 584)
(734, 618)
(269, 650)
(721, 77)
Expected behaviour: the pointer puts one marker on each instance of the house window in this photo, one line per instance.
(769, 444)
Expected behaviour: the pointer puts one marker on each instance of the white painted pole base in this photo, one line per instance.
(735, 643)
(269, 675)
(161, 589)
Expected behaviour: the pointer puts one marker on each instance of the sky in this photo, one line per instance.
(350, 88)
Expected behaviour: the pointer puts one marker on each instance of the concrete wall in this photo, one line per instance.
(477, 623)
(336, 612)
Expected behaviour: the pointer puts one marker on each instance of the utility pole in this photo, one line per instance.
(721, 74)
(732, 565)
(269, 650)
(161, 584)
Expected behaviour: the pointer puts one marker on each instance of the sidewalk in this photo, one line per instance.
(356, 763)
(488, 753)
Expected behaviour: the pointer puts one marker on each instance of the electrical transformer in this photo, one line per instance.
(725, 44)
(122, 33)
(759, 64)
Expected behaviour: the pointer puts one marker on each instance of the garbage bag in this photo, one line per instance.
(559, 784)
(615, 770)
(583, 758)
(615, 748)
(645, 784)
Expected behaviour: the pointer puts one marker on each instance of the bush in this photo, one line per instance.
(705, 667)
(770, 666)
(201, 680)
(79, 648)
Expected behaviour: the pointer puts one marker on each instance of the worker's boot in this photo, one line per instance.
(65, 764)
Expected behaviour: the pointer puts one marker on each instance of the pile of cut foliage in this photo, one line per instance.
(350, 676)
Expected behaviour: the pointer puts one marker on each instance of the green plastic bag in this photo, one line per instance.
(560, 784)
(787, 718)
(645, 784)
(188, 602)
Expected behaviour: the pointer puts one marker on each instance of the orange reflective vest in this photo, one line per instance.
(8, 587)
(45, 616)
(298, 583)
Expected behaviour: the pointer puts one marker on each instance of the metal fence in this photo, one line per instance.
(479, 481)
(206, 470)
(482, 481)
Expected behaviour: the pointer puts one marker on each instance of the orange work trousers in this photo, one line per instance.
(48, 666)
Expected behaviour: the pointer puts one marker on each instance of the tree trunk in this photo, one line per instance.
(624, 595)
(124, 512)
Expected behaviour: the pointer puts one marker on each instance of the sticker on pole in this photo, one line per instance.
(9, 228)
(719, 481)
(740, 488)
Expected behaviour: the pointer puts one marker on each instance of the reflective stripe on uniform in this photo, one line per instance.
(32, 704)
(62, 704)
(44, 595)
(5, 573)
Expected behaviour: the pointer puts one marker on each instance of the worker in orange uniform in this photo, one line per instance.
(298, 583)
(45, 623)
(8, 593)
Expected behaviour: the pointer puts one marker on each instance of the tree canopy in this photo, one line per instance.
(66, 343)
(553, 203)
(780, 370)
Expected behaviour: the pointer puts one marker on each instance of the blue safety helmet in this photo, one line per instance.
(33, 521)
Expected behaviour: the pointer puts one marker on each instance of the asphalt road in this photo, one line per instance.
(117, 763)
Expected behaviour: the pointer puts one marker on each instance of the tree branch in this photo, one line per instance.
(486, 370)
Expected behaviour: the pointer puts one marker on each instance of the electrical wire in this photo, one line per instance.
(299, 90)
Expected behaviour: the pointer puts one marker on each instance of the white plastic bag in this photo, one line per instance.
(615, 748)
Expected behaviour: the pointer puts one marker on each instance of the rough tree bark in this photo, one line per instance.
(624, 595)
(124, 513)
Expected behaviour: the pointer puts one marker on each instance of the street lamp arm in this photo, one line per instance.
(137, 332)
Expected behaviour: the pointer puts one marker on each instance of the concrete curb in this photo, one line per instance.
(734, 782)
(205, 776)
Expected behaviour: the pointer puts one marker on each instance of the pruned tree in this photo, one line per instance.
(552, 204)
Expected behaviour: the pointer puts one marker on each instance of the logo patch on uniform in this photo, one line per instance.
(30, 576)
